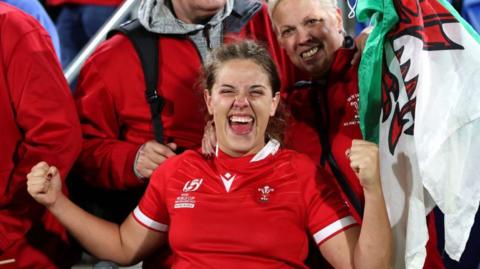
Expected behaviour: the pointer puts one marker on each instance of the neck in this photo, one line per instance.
(238, 154)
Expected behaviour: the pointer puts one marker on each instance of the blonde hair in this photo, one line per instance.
(272, 4)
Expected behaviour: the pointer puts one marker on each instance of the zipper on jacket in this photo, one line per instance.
(320, 105)
(320, 114)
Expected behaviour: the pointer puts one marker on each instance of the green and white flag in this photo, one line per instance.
(420, 100)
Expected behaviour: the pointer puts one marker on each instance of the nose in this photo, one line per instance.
(241, 101)
(303, 35)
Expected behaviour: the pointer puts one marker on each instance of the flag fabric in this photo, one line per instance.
(420, 100)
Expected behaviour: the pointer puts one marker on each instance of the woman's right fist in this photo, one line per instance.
(44, 184)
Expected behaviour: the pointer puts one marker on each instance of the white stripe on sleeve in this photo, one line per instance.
(333, 228)
(142, 218)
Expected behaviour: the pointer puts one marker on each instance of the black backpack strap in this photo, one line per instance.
(146, 45)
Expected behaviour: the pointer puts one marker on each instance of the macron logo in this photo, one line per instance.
(227, 180)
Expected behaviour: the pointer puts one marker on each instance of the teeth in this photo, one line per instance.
(238, 119)
(310, 52)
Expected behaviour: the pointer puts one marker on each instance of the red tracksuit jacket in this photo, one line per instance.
(337, 104)
(38, 122)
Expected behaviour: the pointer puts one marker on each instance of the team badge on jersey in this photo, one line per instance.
(265, 193)
(186, 200)
(352, 102)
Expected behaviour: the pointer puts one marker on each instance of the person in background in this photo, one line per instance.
(78, 21)
(325, 113)
(38, 122)
(251, 189)
(36, 10)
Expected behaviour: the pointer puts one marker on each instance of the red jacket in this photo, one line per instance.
(115, 116)
(338, 98)
(38, 122)
(85, 2)
(338, 106)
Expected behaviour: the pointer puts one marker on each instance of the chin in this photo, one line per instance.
(241, 146)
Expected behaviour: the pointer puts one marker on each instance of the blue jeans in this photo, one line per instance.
(77, 24)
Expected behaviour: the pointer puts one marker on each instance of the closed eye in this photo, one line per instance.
(226, 90)
(257, 91)
(287, 32)
(313, 21)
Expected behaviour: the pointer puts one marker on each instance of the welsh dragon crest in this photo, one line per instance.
(425, 21)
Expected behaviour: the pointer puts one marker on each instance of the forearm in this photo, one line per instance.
(107, 156)
(374, 246)
(99, 237)
(108, 164)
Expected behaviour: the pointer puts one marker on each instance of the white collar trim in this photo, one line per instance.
(270, 148)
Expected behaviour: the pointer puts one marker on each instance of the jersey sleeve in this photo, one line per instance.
(327, 212)
(152, 211)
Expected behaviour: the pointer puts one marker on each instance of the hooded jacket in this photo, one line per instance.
(110, 98)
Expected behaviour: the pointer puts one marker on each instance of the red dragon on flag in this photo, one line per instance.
(424, 20)
(419, 81)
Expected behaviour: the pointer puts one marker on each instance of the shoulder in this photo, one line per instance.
(15, 24)
(307, 173)
(300, 163)
(114, 65)
(113, 51)
(342, 62)
(168, 167)
(23, 39)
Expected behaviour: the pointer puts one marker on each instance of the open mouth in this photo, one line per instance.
(310, 53)
(241, 125)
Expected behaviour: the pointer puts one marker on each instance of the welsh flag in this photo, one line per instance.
(420, 100)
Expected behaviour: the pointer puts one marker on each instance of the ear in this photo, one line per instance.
(275, 102)
(208, 101)
(339, 19)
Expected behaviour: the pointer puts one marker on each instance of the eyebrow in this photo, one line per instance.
(258, 86)
(286, 26)
(307, 17)
(227, 85)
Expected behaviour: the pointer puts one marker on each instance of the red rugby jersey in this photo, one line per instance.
(234, 213)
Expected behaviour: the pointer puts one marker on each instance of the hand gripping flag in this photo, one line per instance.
(420, 100)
